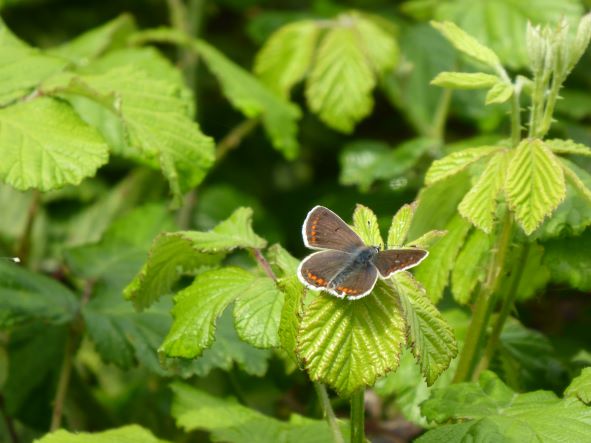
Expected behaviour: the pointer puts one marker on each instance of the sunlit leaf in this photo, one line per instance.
(400, 225)
(581, 386)
(456, 162)
(465, 80)
(125, 434)
(469, 267)
(499, 93)
(366, 225)
(559, 146)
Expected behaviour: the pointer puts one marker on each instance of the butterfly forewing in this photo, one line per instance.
(394, 260)
(319, 268)
(357, 283)
(323, 229)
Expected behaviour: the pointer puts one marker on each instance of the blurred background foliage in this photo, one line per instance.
(381, 164)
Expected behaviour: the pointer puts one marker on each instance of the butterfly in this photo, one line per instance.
(345, 266)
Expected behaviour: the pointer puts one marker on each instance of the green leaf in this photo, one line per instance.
(490, 410)
(154, 122)
(97, 41)
(434, 270)
(364, 162)
(228, 349)
(427, 240)
(229, 421)
(22, 68)
(173, 254)
(291, 313)
(499, 93)
(535, 183)
(535, 274)
(68, 151)
(469, 266)
(349, 344)
(257, 313)
(365, 223)
(501, 24)
(576, 180)
(457, 162)
(465, 80)
(281, 261)
(432, 339)
(286, 56)
(467, 44)
(339, 86)
(376, 39)
(479, 205)
(400, 225)
(569, 260)
(29, 297)
(125, 434)
(580, 387)
(253, 99)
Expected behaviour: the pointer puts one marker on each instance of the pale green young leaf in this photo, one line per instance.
(80, 50)
(229, 421)
(154, 122)
(26, 296)
(457, 162)
(569, 261)
(479, 205)
(535, 183)
(489, 409)
(434, 270)
(68, 151)
(349, 344)
(465, 80)
(499, 93)
(253, 99)
(291, 313)
(469, 267)
(559, 146)
(580, 42)
(427, 240)
(467, 44)
(575, 179)
(400, 225)
(365, 223)
(282, 262)
(580, 387)
(286, 56)
(379, 46)
(257, 313)
(125, 434)
(432, 339)
(501, 24)
(339, 86)
(197, 307)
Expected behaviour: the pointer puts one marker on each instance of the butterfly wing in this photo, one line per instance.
(323, 229)
(357, 283)
(318, 269)
(393, 260)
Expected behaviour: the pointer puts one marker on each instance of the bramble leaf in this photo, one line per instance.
(247, 94)
(479, 205)
(291, 313)
(286, 56)
(467, 44)
(365, 223)
(229, 421)
(465, 80)
(348, 344)
(427, 240)
(499, 93)
(431, 338)
(559, 146)
(580, 386)
(125, 434)
(400, 225)
(68, 151)
(434, 270)
(535, 183)
(469, 269)
(282, 262)
(456, 162)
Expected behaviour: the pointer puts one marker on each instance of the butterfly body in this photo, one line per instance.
(344, 266)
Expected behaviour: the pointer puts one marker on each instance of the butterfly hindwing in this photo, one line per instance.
(323, 229)
(316, 270)
(356, 283)
(394, 260)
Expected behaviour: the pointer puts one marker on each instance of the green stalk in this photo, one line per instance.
(358, 416)
(329, 415)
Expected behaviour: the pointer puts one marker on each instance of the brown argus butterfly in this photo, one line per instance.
(345, 266)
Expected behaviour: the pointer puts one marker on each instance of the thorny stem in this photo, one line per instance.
(329, 414)
(262, 261)
(358, 416)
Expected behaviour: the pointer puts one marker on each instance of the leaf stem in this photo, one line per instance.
(233, 139)
(24, 243)
(358, 416)
(8, 421)
(329, 414)
(438, 128)
(62, 386)
(261, 260)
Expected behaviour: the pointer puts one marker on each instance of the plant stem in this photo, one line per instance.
(262, 261)
(358, 416)
(441, 112)
(8, 421)
(24, 243)
(233, 139)
(329, 415)
(506, 307)
(544, 126)
(62, 386)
